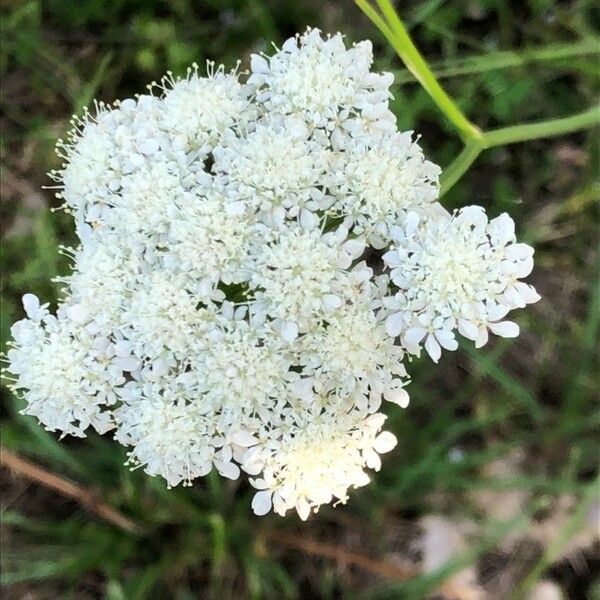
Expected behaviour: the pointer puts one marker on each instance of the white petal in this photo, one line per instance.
(261, 503)
(414, 336)
(524, 267)
(289, 45)
(446, 339)
(303, 508)
(259, 484)
(77, 313)
(149, 147)
(279, 505)
(375, 421)
(482, 337)
(372, 460)
(411, 223)
(433, 348)
(498, 312)
(31, 304)
(503, 228)
(228, 469)
(123, 348)
(512, 296)
(468, 329)
(331, 302)
(519, 251)
(507, 329)
(308, 220)
(528, 292)
(126, 363)
(252, 468)
(385, 442)
(224, 454)
(259, 65)
(394, 324)
(362, 479)
(392, 259)
(289, 331)
(303, 388)
(244, 438)
(127, 104)
(398, 396)
(354, 247)
(475, 215)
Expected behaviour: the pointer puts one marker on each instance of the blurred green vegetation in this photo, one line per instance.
(504, 62)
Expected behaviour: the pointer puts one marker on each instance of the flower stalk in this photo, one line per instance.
(388, 21)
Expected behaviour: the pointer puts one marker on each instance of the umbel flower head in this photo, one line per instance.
(259, 256)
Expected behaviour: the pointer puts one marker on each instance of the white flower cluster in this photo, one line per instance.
(257, 259)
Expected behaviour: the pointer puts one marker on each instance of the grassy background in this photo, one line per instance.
(501, 444)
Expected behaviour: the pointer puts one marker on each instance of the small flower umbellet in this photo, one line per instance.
(257, 259)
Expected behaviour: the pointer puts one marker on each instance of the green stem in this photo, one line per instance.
(375, 18)
(459, 166)
(471, 65)
(511, 135)
(531, 131)
(390, 24)
(398, 36)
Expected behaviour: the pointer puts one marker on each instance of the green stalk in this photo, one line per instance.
(531, 131)
(398, 37)
(392, 27)
(375, 18)
(460, 165)
(511, 135)
(495, 61)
